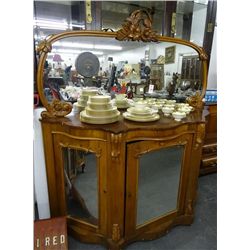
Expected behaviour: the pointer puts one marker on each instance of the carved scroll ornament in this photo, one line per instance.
(57, 108)
(137, 27)
(195, 101)
(116, 145)
(199, 135)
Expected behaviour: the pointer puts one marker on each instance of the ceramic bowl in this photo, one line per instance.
(167, 110)
(120, 97)
(100, 99)
(172, 106)
(101, 113)
(140, 104)
(181, 105)
(160, 101)
(185, 110)
(89, 91)
(140, 111)
(100, 106)
(170, 101)
(157, 106)
(178, 115)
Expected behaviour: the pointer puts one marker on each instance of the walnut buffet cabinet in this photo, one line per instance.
(126, 181)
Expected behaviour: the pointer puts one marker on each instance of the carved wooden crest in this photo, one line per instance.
(137, 27)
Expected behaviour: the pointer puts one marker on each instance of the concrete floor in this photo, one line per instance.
(201, 235)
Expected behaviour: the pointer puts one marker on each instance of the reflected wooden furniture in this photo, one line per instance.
(157, 75)
(118, 148)
(209, 149)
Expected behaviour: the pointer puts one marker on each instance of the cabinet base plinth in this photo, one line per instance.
(154, 233)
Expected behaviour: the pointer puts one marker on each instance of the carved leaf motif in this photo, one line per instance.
(137, 27)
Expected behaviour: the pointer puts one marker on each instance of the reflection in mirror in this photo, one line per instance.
(173, 69)
(81, 187)
(158, 183)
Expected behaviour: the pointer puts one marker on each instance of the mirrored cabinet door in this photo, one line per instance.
(81, 184)
(80, 172)
(156, 182)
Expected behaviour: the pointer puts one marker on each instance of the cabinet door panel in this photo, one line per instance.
(157, 174)
(158, 183)
(80, 178)
(81, 184)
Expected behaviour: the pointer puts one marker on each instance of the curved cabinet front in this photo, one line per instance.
(123, 183)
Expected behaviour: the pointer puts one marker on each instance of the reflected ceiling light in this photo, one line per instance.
(87, 46)
(56, 24)
(77, 26)
(53, 27)
(75, 51)
(108, 47)
(51, 24)
(74, 45)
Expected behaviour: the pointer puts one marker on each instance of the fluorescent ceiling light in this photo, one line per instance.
(51, 24)
(108, 47)
(56, 24)
(75, 51)
(74, 45)
(53, 27)
(87, 46)
(77, 25)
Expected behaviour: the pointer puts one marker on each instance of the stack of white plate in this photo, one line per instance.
(141, 114)
(83, 99)
(99, 110)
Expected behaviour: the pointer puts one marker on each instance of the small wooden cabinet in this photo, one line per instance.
(131, 181)
(209, 149)
(157, 75)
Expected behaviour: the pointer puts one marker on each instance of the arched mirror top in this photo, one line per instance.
(132, 56)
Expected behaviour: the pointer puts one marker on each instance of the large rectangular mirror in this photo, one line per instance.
(174, 69)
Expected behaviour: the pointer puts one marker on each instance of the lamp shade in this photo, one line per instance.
(57, 58)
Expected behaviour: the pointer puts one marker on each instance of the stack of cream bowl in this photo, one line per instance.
(83, 99)
(141, 113)
(99, 110)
